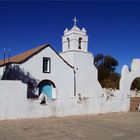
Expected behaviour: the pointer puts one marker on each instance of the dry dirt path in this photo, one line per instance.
(114, 126)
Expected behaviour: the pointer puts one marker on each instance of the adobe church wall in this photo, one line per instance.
(61, 74)
(86, 73)
(87, 81)
(15, 73)
(31, 73)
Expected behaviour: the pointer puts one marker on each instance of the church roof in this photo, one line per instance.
(21, 58)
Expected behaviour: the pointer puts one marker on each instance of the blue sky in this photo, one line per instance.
(113, 27)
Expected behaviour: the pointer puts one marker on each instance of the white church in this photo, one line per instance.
(68, 73)
(68, 80)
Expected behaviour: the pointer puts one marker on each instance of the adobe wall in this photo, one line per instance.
(60, 74)
(12, 99)
(86, 73)
(15, 105)
(128, 76)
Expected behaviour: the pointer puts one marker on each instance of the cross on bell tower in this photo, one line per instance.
(75, 21)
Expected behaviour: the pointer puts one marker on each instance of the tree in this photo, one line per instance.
(106, 66)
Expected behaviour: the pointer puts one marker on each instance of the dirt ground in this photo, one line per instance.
(114, 126)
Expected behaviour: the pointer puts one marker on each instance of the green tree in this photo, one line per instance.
(106, 66)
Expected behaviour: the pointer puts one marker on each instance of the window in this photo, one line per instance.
(68, 43)
(80, 40)
(46, 65)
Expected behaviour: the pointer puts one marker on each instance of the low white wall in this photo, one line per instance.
(93, 106)
(15, 105)
(12, 99)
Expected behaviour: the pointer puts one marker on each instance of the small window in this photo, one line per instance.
(80, 40)
(68, 43)
(46, 65)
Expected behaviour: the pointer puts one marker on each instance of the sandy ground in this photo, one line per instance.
(114, 126)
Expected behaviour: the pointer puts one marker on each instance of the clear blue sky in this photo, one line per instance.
(113, 27)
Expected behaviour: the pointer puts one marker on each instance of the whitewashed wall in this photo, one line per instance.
(61, 74)
(86, 73)
(15, 105)
(12, 99)
(127, 77)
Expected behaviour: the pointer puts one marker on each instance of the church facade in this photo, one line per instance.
(70, 73)
(68, 80)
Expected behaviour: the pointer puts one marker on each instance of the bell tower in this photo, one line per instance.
(75, 52)
(74, 39)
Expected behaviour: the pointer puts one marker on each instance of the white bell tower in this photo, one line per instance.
(75, 39)
(75, 52)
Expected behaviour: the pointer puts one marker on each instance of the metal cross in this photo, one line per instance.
(75, 20)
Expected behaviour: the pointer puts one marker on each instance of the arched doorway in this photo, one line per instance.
(136, 84)
(135, 95)
(47, 87)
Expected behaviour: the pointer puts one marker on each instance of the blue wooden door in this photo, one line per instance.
(47, 89)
